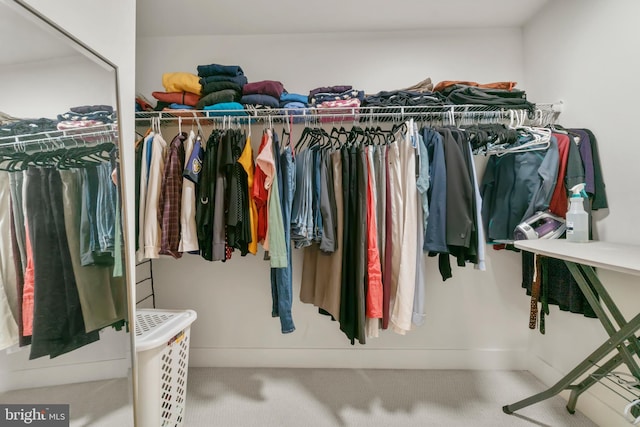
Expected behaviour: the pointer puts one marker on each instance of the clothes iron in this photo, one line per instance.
(542, 225)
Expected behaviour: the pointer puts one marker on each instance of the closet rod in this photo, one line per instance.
(347, 114)
(83, 134)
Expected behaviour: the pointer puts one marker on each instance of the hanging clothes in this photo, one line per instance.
(558, 285)
(281, 277)
(170, 197)
(402, 311)
(58, 326)
(515, 186)
(317, 287)
(142, 177)
(206, 196)
(102, 297)
(246, 160)
(8, 325)
(188, 227)
(152, 232)
(238, 217)
(374, 270)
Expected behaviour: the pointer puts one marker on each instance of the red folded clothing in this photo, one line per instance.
(185, 98)
(264, 87)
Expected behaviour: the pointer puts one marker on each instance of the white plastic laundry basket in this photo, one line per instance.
(162, 347)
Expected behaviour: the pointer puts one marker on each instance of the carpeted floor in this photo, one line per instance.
(223, 397)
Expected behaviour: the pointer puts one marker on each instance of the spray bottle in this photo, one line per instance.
(577, 217)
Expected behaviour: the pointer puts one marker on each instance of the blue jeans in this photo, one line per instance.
(302, 213)
(106, 208)
(281, 278)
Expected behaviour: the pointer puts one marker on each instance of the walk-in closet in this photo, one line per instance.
(382, 290)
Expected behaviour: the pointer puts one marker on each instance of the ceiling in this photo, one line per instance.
(220, 17)
(22, 40)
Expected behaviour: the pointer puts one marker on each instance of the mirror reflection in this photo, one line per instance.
(63, 297)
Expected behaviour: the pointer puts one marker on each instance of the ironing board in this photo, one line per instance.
(581, 259)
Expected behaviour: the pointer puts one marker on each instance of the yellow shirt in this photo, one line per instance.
(181, 82)
(246, 160)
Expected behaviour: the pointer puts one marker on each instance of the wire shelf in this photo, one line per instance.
(84, 134)
(311, 114)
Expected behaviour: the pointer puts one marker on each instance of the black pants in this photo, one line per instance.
(58, 326)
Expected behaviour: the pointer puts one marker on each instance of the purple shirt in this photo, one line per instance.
(584, 147)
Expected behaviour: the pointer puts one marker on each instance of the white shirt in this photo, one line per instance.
(152, 231)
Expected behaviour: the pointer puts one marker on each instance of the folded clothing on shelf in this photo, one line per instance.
(295, 105)
(225, 109)
(142, 103)
(329, 89)
(226, 95)
(341, 109)
(264, 87)
(321, 97)
(77, 124)
(84, 109)
(220, 85)
(259, 99)
(186, 98)
(500, 98)
(180, 81)
(6, 118)
(239, 80)
(27, 126)
(100, 116)
(497, 85)
(218, 69)
(403, 98)
(176, 106)
(293, 97)
(296, 109)
(424, 86)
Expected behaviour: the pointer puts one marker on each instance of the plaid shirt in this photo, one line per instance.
(169, 204)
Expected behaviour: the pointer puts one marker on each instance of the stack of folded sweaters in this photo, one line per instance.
(182, 91)
(86, 116)
(262, 94)
(340, 101)
(221, 84)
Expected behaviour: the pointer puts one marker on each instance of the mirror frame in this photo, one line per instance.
(31, 13)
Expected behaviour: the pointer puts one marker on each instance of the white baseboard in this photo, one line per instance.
(358, 358)
(64, 374)
(591, 403)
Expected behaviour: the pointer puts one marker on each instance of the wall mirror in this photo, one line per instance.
(64, 306)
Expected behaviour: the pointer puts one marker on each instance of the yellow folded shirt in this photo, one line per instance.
(181, 82)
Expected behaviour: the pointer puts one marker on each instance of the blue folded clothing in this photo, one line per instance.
(175, 106)
(260, 99)
(294, 97)
(225, 109)
(295, 106)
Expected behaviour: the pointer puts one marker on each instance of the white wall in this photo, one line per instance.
(476, 320)
(584, 52)
(27, 92)
(111, 33)
(368, 61)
